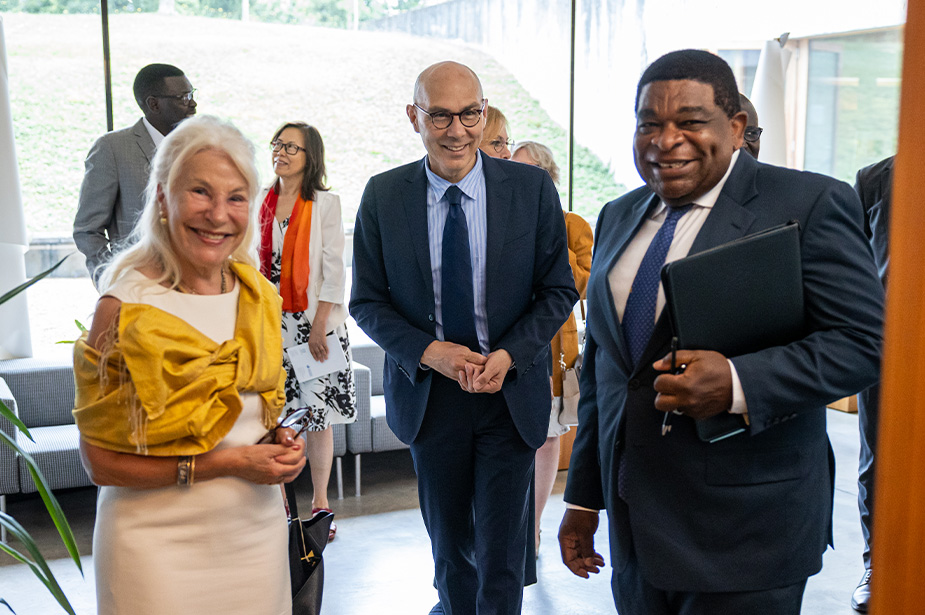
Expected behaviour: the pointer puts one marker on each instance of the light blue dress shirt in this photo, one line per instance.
(474, 204)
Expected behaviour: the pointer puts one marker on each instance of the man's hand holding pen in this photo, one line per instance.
(703, 389)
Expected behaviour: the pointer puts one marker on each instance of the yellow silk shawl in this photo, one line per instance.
(167, 389)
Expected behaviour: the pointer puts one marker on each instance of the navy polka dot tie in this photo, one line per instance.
(457, 302)
(639, 315)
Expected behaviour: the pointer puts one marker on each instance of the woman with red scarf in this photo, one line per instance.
(302, 252)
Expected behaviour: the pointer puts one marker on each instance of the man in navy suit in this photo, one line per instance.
(736, 526)
(874, 184)
(461, 275)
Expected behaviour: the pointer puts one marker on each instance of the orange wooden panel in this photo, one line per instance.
(899, 525)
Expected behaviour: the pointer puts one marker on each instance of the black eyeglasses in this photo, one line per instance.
(186, 98)
(297, 419)
(443, 119)
(499, 144)
(753, 133)
(291, 148)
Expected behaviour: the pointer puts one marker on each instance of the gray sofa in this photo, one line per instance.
(370, 433)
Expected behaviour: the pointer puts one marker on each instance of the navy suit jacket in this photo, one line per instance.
(874, 184)
(529, 287)
(753, 511)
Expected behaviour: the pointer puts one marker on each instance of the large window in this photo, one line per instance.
(348, 68)
(852, 101)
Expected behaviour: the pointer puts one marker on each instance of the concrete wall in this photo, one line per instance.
(616, 39)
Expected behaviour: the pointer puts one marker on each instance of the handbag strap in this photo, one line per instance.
(292, 501)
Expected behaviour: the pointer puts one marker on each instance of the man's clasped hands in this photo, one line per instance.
(475, 373)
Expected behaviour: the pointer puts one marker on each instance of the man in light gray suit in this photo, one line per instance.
(116, 169)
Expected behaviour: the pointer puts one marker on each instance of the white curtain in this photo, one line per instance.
(768, 97)
(15, 340)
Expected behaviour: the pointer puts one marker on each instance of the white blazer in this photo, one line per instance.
(327, 273)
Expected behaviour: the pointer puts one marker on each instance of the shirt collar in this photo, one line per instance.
(709, 199)
(156, 135)
(440, 185)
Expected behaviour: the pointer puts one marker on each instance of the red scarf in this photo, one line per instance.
(293, 282)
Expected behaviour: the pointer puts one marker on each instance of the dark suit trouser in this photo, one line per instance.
(474, 476)
(633, 595)
(868, 413)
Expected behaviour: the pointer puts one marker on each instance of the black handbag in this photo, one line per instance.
(307, 540)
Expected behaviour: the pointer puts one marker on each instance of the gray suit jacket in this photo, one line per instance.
(112, 192)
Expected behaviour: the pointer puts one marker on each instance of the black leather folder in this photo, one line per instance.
(737, 298)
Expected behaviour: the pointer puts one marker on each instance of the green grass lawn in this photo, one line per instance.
(353, 85)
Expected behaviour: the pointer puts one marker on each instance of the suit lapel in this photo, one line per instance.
(729, 220)
(614, 248)
(498, 209)
(143, 138)
(414, 203)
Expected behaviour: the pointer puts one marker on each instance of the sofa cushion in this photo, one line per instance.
(9, 468)
(373, 357)
(340, 439)
(43, 388)
(384, 439)
(359, 433)
(56, 452)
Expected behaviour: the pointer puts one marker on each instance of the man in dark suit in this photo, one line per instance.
(116, 169)
(874, 184)
(752, 135)
(738, 525)
(461, 275)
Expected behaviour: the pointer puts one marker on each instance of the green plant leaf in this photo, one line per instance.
(80, 327)
(6, 413)
(9, 295)
(7, 605)
(37, 563)
(51, 503)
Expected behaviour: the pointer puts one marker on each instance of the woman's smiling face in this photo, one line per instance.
(207, 210)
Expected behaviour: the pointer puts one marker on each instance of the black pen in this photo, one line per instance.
(666, 426)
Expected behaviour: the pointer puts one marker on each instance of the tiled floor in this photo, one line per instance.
(380, 563)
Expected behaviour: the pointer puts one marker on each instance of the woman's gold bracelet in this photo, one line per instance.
(185, 467)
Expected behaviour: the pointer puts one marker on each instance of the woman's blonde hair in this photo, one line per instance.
(494, 122)
(149, 242)
(541, 155)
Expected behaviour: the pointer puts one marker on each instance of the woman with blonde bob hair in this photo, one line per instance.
(495, 140)
(178, 378)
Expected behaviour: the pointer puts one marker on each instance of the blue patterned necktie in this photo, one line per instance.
(457, 302)
(639, 315)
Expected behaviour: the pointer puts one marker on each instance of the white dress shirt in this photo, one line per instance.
(156, 135)
(624, 271)
(475, 206)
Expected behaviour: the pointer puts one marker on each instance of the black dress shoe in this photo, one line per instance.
(861, 596)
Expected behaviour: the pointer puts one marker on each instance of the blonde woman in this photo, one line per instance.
(176, 382)
(495, 140)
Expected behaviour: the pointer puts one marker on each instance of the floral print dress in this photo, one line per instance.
(332, 398)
